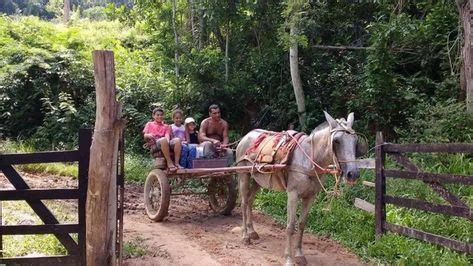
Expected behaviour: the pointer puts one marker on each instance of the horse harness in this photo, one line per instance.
(286, 142)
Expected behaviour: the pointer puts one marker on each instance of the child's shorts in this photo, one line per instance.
(172, 143)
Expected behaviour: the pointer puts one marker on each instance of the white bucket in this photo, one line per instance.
(199, 152)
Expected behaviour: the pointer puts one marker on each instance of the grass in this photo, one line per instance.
(354, 228)
(19, 212)
(64, 169)
(137, 167)
(134, 248)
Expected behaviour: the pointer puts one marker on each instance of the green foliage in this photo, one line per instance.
(44, 78)
(134, 248)
(440, 122)
(137, 167)
(46, 90)
(410, 65)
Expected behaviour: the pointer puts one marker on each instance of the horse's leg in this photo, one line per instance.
(291, 221)
(306, 205)
(252, 195)
(244, 182)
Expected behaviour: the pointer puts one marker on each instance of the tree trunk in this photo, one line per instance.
(227, 59)
(203, 28)
(466, 82)
(67, 11)
(295, 75)
(101, 193)
(176, 40)
(191, 18)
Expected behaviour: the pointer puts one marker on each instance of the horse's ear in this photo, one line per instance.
(350, 119)
(333, 124)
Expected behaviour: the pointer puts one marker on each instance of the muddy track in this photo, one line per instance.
(193, 235)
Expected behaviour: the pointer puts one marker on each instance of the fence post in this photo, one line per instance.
(101, 191)
(380, 205)
(85, 139)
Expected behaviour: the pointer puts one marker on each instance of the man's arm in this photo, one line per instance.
(225, 133)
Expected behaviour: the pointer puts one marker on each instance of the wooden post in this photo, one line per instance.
(85, 139)
(380, 206)
(67, 11)
(102, 183)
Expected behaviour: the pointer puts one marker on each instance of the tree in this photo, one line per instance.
(295, 11)
(176, 40)
(67, 11)
(466, 82)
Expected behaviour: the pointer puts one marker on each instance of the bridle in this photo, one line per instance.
(335, 168)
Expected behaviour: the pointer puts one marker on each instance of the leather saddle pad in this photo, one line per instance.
(273, 147)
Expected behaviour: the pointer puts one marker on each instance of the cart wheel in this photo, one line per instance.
(157, 195)
(222, 194)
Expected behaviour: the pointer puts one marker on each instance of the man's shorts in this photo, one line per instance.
(172, 143)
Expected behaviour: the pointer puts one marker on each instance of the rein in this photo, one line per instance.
(331, 169)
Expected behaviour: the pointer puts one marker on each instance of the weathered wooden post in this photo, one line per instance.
(102, 183)
(380, 206)
(85, 140)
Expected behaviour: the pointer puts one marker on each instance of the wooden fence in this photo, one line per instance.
(435, 181)
(75, 250)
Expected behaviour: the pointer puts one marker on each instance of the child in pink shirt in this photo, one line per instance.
(160, 135)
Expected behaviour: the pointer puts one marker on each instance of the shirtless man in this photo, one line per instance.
(214, 132)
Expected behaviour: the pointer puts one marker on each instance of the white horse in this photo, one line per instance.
(332, 144)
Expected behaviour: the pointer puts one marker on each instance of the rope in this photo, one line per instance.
(334, 169)
(323, 170)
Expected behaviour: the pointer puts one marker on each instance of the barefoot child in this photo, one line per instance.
(159, 134)
(179, 132)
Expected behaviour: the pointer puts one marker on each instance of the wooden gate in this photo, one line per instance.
(457, 207)
(75, 250)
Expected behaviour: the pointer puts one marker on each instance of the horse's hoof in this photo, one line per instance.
(300, 260)
(246, 241)
(254, 236)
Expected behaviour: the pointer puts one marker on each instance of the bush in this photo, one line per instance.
(438, 123)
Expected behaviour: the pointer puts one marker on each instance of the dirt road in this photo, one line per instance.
(192, 235)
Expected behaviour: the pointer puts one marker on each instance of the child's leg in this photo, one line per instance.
(163, 144)
(176, 142)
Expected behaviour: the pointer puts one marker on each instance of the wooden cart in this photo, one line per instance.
(219, 184)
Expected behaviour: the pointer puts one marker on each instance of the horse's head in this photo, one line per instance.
(346, 146)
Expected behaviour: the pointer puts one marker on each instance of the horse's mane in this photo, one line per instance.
(320, 127)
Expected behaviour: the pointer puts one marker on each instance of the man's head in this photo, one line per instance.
(214, 112)
(158, 114)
